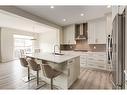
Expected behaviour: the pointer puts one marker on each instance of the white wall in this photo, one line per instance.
(48, 40)
(7, 42)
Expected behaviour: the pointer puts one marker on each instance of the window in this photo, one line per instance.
(24, 43)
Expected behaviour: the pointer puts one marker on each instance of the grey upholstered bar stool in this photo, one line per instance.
(49, 72)
(24, 63)
(35, 67)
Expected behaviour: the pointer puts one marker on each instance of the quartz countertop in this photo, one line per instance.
(53, 58)
(72, 51)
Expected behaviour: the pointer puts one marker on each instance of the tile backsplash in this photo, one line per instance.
(67, 46)
(84, 46)
(98, 47)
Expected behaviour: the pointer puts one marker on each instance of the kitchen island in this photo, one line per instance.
(68, 64)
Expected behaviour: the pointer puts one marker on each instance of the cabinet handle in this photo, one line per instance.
(101, 66)
(100, 60)
(96, 40)
(68, 72)
(91, 59)
(70, 61)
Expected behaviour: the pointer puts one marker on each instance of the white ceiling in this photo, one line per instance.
(70, 13)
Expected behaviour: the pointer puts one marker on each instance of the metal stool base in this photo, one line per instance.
(25, 79)
(40, 85)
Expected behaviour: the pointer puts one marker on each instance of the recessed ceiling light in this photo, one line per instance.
(108, 6)
(51, 7)
(82, 14)
(64, 19)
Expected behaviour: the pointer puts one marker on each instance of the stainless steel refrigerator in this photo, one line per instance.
(118, 51)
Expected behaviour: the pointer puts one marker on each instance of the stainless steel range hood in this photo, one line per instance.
(81, 38)
(82, 35)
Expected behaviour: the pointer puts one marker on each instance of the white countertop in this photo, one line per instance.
(79, 52)
(53, 58)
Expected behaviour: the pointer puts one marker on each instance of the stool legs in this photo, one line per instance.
(29, 77)
(51, 83)
(38, 85)
(37, 77)
(28, 74)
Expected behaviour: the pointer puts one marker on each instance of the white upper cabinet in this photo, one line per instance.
(91, 33)
(100, 31)
(97, 31)
(109, 24)
(69, 34)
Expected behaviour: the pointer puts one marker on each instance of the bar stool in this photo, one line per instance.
(35, 67)
(24, 63)
(49, 72)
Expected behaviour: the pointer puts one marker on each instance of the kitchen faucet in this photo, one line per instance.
(55, 48)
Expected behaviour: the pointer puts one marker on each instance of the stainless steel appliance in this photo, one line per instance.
(81, 31)
(118, 51)
(109, 48)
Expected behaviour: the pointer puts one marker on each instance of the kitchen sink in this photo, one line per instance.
(58, 53)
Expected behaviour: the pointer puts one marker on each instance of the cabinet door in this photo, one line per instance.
(70, 71)
(96, 60)
(66, 36)
(100, 31)
(77, 68)
(91, 33)
(83, 60)
(97, 31)
(73, 70)
(109, 24)
(69, 34)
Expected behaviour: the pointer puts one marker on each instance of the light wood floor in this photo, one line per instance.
(93, 79)
(11, 74)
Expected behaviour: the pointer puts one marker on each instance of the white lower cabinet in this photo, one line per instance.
(70, 71)
(93, 60)
(83, 60)
(73, 70)
(96, 60)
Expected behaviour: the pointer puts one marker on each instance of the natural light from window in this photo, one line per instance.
(22, 42)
